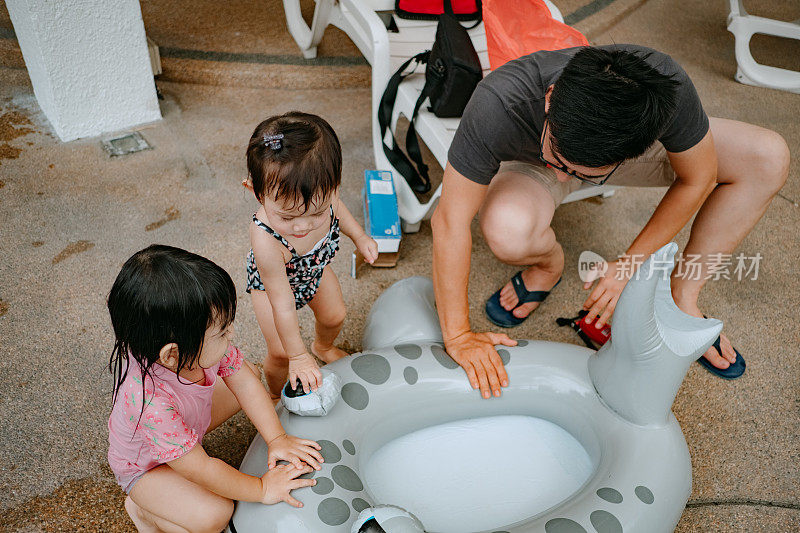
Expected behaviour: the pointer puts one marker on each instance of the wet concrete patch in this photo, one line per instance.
(13, 124)
(10, 125)
(87, 504)
(37, 244)
(9, 152)
(171, 213)
(3, 307)
(72, 249)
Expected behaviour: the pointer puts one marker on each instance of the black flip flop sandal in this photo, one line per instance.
(499, 316)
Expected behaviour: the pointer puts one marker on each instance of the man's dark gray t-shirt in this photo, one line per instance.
(503, 120)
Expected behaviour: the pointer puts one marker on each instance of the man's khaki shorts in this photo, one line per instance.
(651, 169)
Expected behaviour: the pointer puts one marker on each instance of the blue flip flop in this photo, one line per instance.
(732, 372)
(499, 316)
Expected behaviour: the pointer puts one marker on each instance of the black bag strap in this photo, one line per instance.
(417, 178)
(448, 8)
(416, 173)
(412, 143)
(573, 323)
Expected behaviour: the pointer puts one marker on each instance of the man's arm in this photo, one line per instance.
(696, 170)
(452, 248)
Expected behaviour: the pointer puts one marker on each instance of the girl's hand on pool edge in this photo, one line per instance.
(476, 354)
(278, 482)
(295, 450)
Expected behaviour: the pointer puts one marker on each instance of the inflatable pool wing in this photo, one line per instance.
(580, 441)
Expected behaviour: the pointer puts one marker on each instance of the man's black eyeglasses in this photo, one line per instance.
(594, 180)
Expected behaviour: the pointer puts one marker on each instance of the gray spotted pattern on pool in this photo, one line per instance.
(644, 494)
(372, 368)
(323, 486)
(610, 495)
(442, 357)
(349, 447)
(375, 369)
(602, 520)
(409, 351)
(355, 395)
(330, 452)
(505, 356)
(334, 511)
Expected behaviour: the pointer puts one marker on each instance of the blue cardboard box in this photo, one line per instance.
(381, 220)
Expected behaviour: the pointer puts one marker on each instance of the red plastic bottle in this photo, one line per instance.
(600, 336)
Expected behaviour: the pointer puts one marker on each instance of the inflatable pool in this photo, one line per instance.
(580, 441)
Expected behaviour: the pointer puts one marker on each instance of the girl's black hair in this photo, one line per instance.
(164, 295)
(608, 106)
(294, 156)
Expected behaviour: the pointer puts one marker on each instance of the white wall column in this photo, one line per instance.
(88, 63)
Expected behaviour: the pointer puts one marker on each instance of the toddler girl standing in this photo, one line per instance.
(172, 313)
(294, 163)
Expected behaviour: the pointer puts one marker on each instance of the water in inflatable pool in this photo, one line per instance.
(465, 475)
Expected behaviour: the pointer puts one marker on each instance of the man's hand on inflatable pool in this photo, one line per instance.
(278, 482)
(295, 450)
(602, 301)
(304, 368)
(476, 354)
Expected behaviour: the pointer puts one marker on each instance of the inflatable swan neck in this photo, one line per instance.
(653, 343)
(404, 313)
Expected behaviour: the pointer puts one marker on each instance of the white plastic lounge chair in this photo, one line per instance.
(743, 25)
(363, 22)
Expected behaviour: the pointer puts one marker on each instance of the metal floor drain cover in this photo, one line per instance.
(125, 144)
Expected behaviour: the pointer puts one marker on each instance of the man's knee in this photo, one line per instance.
(512, 232)
(772, 156)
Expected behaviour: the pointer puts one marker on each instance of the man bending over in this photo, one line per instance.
(540, 126)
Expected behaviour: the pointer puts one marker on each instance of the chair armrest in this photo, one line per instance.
(370, 35)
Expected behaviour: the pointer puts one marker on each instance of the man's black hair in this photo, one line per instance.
(608, 106)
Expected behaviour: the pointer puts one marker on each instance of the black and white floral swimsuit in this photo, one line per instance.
(304, 271)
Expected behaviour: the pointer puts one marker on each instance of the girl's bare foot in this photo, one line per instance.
(139, 517)
(329, 354)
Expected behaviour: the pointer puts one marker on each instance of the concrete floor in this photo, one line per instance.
(70, 216)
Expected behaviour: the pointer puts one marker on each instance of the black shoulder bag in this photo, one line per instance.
(453, 71)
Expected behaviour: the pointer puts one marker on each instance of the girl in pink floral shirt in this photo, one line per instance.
(172, 313)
